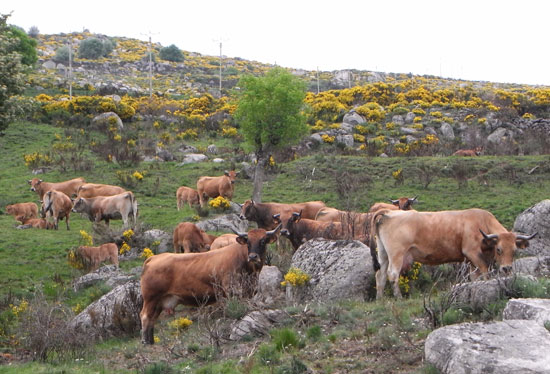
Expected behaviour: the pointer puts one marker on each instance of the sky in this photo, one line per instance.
(485, 40)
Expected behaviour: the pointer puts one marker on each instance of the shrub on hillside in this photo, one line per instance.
(171, 53)
(61, 54)
(94, 48)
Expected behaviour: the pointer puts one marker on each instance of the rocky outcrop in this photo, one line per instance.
(338, 270)
(537, 310)
(535, 219)
(224, 224)
(269, 284)
(156, 235)
(507, 347)
(192, 158)
(353, 118)
(103, 120)
(533, 265)
(110, 274)
(114, 314)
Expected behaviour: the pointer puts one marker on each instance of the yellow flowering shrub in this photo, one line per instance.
(128, 234)
(418, 126)
(21, 308)
(86, 238)
(412, 275)
(402, 149)
(117, 137)
(36, 159)
(271, 162)
(390, 126)
(436, 114)
(335, 126)
(482, 120)
(137, 175)
(295, 277)
(398, 176)
(359, 138)
(417, 119)
(327, 138)
(189, 134)
(219, 203)
(528, 116)
(146, 253)
(469, 117)
(124, 248)
(229, 132)
(419, 111)
(180, 323)
(75, 260)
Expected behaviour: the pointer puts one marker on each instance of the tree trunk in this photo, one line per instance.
(259, 173)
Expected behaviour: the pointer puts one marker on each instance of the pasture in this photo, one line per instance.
(33, 260)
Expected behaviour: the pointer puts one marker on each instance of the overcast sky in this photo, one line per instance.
(499, 41)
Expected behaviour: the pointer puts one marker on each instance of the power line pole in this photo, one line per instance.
(70, 70)
(317, 80)
(150, 53)
(220, 40)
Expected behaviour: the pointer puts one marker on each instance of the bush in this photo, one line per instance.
(94, 48)
(268, 355)
(285, 338)
(171, 53)
(62, 54)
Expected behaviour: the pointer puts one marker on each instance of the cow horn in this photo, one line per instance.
(241, 234)
(394, 201)
(240, 205)
(296, 214)
(252, 201)
(274, 231)
(278, 215)
(526, 237)
(226, 173)
(413, 199)
(492, 236)
(29, 181)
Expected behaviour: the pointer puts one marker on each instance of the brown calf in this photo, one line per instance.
(24, 210)
(403, 203)
(187, 195)
(468, 152)
(94, 256)
(56, 205)
(262, 213)
(223, 241)
(37, 223)
(190, 238)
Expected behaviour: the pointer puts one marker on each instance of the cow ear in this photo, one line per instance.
(29, 181)
(277, 218)
(226, 173)
(242, 239)
(522, 243)
(488, 243)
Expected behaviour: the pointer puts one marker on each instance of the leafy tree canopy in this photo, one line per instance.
(94, 48)
(171, 53)
(25, 45)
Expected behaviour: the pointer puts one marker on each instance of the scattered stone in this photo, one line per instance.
(353, 118)
(104, 120)
(409, 118)
(398, 120)
(533, 265)
(256, 323)
(447, 131)
(212, 149)
(347, 140)
(269, 284)
(164, 238)
(192, 158)
(224, 224)
(218, 160)
(535, 219)
(110, 274)
(537, 310)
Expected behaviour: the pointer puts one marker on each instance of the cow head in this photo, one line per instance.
(231, 174)
(79, 205)
(502, 247)
(248, 210)
(404, 203)
(288, 227)
(478, 151)
(257, 240)
(9, 209)
(34, 183)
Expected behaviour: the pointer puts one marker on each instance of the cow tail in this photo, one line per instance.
(372, 240)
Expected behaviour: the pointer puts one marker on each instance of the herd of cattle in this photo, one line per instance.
(396, 234)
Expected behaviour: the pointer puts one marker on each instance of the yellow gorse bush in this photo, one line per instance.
(180, 323)
(295, 277)
(36, 159)
(87, 238)
(128, 234)
(146, 253)
(75, 260)
(219, 203)
(412, 275)
(137, 175)
(124, 248)
(21, 308)
(327, 138)
(229, 132)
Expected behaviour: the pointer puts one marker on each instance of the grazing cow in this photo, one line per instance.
(170, 279)
(299, 230)
(69, 187)
(190, 238)
(223, 241)
(37, 223)
(187, 195)
(403, 203)
(211, 187)
(24, 210)
(108, 207)
(262, 213)
(468, 152)
(88, 190)
(56, 205)
(94, 256)
(435, 238)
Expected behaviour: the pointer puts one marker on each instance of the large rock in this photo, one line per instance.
(347, 140)
(224, 223)
(479, 294)
(533, 265)
(500, 136)
(409, 117)
(447, 131)
(110, 274)
(508, 347)
(535, 219)
(537, 310)
(338, 270)
(114, 314)
(353, 118)
(156, 235)
(256, 323)
(192, 158)
(269, 284)
(104, 120)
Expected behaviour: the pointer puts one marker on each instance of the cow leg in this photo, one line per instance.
(481, 268)
(56, 223)
(149, 314)
(382, 273)
(179, 203)
(67, 221)
(394, 270)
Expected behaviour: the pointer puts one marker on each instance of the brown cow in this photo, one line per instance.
(69, 187)
(56, 205)
(299, 230)
(105, 208)
(94, 256)
(187, 195)
(435, 238)
(24, 210)
(211, 187)
(403, 203)
(37, 223)
(223, 241)
(170, 279)
(262, 213)
(88, 190)
(190, 238)
(468, 152)
(358, 224)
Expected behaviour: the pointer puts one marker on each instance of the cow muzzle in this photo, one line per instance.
(285, 232)
(253, 257)
(242, 217)
(32, 189)
(506, 269)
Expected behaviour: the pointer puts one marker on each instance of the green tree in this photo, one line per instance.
(62, 54)
(25, 45)
(94, 48)
(171, 53)
(270, 116)
(11, 73)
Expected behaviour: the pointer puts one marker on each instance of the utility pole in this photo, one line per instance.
(70, 70)
(150, 74)
(349, 78)
(220, 41)
(317, 80)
